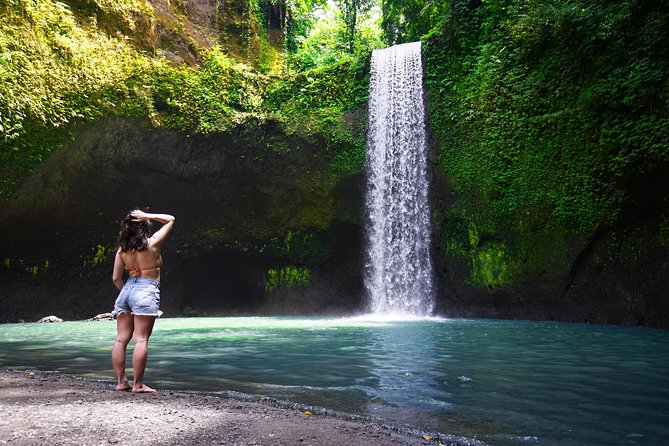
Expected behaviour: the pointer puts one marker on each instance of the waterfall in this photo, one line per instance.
(398, 269)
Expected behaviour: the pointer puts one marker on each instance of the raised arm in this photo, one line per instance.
(165, 219)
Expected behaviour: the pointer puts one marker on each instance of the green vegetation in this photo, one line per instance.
(343, 29)
(550, 117)
(100, 255)
(217, 97)
(545, 113)
(410, 20)
(52, 71)
(286, 278)
(21, 267)
(61, 66)
(298, 247)
(313, 105)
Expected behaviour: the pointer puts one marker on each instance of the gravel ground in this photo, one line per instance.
(46, 408)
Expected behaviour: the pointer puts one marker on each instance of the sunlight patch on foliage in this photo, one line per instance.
(286, 278)
(50, 69)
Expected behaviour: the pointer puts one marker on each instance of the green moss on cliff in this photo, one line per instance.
(315, 105)
(545, 116)
(286, 278)
(302, 247)
(56, 69)
(68, 69)
(64, 63)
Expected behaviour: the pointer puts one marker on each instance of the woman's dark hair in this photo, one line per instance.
(134, 234)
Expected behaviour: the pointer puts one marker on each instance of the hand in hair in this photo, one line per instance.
(139, 215)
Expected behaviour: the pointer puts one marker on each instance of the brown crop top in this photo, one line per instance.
(137, 271)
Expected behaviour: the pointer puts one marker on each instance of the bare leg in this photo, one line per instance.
(143, 329)
(124, 328)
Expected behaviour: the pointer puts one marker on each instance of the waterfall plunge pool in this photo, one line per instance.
(503, 382)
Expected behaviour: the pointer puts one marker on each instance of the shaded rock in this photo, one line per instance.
(239, 197)
(49, 319)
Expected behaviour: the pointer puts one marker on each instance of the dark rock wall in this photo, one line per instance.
(232, 194)
(236, 196)
(552, 196)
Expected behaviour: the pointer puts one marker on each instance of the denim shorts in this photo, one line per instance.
(140, 296)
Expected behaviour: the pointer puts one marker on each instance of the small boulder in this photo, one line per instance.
(49, 319)
(102, 317)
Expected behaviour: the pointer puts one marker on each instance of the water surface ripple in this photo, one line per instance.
(504, 382)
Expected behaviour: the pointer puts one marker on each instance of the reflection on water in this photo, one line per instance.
(506, 382)
(406, 372)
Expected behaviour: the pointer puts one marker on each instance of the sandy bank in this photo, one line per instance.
(47, 408)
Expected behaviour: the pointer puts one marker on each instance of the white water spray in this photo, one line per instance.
(398, 270)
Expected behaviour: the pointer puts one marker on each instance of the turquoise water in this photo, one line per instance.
(503, 382)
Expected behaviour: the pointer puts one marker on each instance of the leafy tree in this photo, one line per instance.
(351, 9)
(301, 16)
(408, 20)
(329, 41)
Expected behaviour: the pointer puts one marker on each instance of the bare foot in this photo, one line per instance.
(123, 387)
(143, 389)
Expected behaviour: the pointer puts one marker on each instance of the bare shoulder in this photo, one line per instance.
(154, 246)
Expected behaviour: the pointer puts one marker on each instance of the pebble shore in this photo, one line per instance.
(47, 408)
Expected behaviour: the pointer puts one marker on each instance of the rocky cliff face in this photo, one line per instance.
(619, 277)
(260, 224)
(262, 229)
(551, 198)
(554, 199)
(617, 274)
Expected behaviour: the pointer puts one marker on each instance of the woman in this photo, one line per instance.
(138, 304)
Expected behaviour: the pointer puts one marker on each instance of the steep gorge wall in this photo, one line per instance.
(550, 163)
(261, 224)
(552, 136)
(263, 172)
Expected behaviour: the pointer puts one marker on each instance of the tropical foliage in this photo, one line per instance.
(550, 117)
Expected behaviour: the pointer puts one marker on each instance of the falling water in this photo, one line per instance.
(398, 276)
